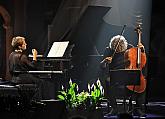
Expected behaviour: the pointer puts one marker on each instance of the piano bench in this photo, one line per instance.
(27, 91)
(26, 87)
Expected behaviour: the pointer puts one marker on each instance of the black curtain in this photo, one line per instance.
(66, 18)
(2, 48)
(64, 28)
(156, 58)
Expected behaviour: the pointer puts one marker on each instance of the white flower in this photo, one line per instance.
(70, 81)
(62, 87)
(102, 90)
(77, 88)
(98, 83)
(89, 89)
(92, 86)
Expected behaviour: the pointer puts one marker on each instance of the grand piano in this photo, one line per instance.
(54, 62)
(49, 66)
(54, 68)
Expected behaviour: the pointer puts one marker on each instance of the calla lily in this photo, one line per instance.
(62, 87)
(98, 83)
(70, 81)
(89, 88)
(77, 88)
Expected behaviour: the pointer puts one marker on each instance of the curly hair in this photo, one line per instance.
(120, 41)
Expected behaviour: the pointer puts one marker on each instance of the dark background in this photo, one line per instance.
(156, 73)
(36, 16)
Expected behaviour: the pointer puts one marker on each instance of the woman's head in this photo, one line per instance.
(18, 43)
(120, 41)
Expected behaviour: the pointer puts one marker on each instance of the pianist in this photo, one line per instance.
(19, 64)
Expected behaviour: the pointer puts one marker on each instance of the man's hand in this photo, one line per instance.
(141, 46)
(108, 59)
(34, 52)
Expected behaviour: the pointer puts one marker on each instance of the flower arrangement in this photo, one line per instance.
(84, 99)
(96, 92)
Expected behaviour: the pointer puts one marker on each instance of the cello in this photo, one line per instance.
(137, 60)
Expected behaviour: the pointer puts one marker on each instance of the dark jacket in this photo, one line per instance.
(18, 62)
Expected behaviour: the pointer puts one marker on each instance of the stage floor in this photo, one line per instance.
(153, 110)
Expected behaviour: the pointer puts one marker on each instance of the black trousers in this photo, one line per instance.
(116, 91)
(30, 79)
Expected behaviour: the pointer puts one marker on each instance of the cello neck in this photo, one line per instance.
(138, 29)
(139, 37)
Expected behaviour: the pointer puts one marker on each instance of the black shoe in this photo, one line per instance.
(140, 113)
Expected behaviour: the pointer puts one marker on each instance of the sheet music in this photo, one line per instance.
(58, 49)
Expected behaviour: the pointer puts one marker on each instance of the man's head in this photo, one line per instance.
(120, 41)
(18, 43)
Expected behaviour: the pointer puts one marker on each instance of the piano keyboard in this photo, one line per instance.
(6, 86)
(41, 72)
(46, 72)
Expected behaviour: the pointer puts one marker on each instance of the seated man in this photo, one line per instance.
(19, 64)
(114, 59)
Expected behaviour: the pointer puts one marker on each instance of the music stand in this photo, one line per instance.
(124, 77)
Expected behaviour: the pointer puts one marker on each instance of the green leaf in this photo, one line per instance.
(61, 97)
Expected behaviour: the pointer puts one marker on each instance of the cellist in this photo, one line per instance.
(113, 61)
